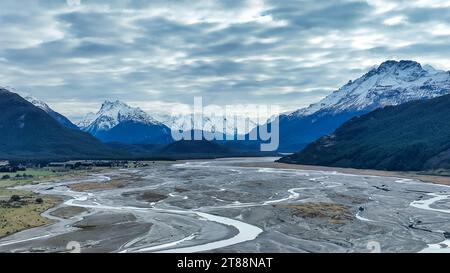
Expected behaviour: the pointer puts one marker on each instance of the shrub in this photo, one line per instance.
(14, 198)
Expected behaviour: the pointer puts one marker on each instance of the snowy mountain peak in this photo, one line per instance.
(391, 83)
(405, 70)
(113, 104)
(111, 114)
(399, 65)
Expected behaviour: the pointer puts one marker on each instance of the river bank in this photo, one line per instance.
(428, 178)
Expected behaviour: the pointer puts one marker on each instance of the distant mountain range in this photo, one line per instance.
(409, 137)
(131, 131)
(30, 133)
(215, 124)
(391, 83)
(118, 122)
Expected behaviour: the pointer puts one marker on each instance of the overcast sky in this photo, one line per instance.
(158, 54)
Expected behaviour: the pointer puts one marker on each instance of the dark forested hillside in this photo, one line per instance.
(28, 132)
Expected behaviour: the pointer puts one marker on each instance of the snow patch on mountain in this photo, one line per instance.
(38, 103)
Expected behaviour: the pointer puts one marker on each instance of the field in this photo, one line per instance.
(25, 213)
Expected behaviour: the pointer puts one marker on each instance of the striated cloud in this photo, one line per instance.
(160, 53)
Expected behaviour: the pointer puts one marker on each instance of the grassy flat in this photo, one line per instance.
(28, 213)
(13, 220)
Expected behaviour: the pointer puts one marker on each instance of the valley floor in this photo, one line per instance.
(238, 205)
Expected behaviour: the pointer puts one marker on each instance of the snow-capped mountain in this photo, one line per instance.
(118, 122)
(111, 114)
(241, 125)
(57, 116)
(391, 83)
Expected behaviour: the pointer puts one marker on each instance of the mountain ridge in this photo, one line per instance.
(28, 132)
(57, 116)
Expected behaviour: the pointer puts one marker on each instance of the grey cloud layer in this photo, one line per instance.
(289, 53)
